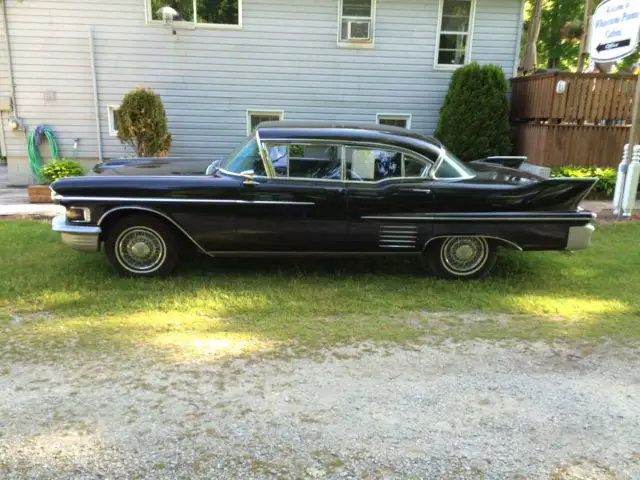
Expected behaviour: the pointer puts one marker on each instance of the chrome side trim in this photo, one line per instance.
(484, 218)
(163, 215)
(228, 253)
(579, 238)
(61, 198)
(79, 237)
(401, 236)
(509, 242)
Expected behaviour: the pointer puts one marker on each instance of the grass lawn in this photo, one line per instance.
(54, 301)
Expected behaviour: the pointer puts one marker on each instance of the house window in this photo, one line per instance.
(455, 31)
(112, 119)
(223, 13)
(255, 117)
(394, 119)
(356, 22)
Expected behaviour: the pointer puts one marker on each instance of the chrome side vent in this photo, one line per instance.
(398, 236)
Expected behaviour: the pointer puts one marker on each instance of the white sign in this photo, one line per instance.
(615, 27)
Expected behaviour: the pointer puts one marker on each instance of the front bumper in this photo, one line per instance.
(580, 237)
(85, 238)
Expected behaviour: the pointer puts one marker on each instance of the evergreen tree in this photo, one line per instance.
(474, 119)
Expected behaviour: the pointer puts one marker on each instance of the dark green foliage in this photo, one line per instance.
(56, 169)
(142, 123)
(474, 119)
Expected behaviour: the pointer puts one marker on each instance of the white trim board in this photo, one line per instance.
(261, 111)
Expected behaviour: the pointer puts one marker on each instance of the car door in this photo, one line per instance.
(385, 189)
(300, 209)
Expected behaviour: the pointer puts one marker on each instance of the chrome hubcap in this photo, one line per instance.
(140, 249)
(464, 255)
(464, 252)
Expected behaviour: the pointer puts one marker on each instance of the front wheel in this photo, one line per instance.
(141, 246)
(462, 258)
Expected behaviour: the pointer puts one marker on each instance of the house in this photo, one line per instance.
(222, 66)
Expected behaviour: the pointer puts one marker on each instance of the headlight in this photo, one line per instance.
(79, 214)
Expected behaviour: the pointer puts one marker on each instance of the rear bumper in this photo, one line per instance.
(580, 237)
(85, 238)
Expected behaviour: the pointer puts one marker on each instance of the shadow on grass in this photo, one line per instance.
(63, 299)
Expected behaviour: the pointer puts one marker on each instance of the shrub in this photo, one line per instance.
(142, 123)
(606, 176)
(474, 119)
(56, 169)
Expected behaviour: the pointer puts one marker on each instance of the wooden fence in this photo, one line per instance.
(559, 145)
(564, 118)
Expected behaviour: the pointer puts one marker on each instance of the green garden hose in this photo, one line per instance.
(34, 138)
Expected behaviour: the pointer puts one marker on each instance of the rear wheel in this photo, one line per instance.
(141, 246)
(461, 258)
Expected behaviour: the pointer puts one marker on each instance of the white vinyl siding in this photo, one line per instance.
(454, 36)
(284, 58)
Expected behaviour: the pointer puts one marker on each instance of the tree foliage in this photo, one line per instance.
(559, 40)
(142, 123)
(474, 119)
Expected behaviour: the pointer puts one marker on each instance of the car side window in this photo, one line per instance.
(370, 164)
(313, 160)
(245, 158)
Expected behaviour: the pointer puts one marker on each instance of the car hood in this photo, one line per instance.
(154, 166)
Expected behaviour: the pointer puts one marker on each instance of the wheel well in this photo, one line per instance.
(497, 240)
(113, 216)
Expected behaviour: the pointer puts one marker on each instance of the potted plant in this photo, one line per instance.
(51, 172)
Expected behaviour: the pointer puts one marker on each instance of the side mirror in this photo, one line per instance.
(213, 168)
(248, 177)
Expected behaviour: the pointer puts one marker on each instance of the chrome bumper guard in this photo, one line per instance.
(85, 238)
(580, 237)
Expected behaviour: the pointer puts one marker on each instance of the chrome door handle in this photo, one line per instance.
(421, 190)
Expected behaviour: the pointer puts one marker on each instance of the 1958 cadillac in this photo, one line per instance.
(327, 189)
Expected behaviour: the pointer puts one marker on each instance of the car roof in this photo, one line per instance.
(347, 131)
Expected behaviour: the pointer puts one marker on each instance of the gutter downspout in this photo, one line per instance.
(12, 85)
(3, 142)
(96, 104)
(5, 29)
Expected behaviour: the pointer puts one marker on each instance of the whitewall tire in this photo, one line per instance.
(141, 246)
(460, 257)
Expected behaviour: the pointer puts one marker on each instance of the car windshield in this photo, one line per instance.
(452, 167)
(245, 158)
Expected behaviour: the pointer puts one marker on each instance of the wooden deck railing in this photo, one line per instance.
(561, 97)
(565, 118)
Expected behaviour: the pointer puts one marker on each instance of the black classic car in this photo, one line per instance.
(327, 189)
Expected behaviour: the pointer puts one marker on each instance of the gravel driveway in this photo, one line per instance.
(472, 410)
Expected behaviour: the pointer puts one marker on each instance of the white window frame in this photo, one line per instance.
(149, 20)
(469, 34)
(356, 43)
(395, 116)
(111, 109)
(261, 111)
